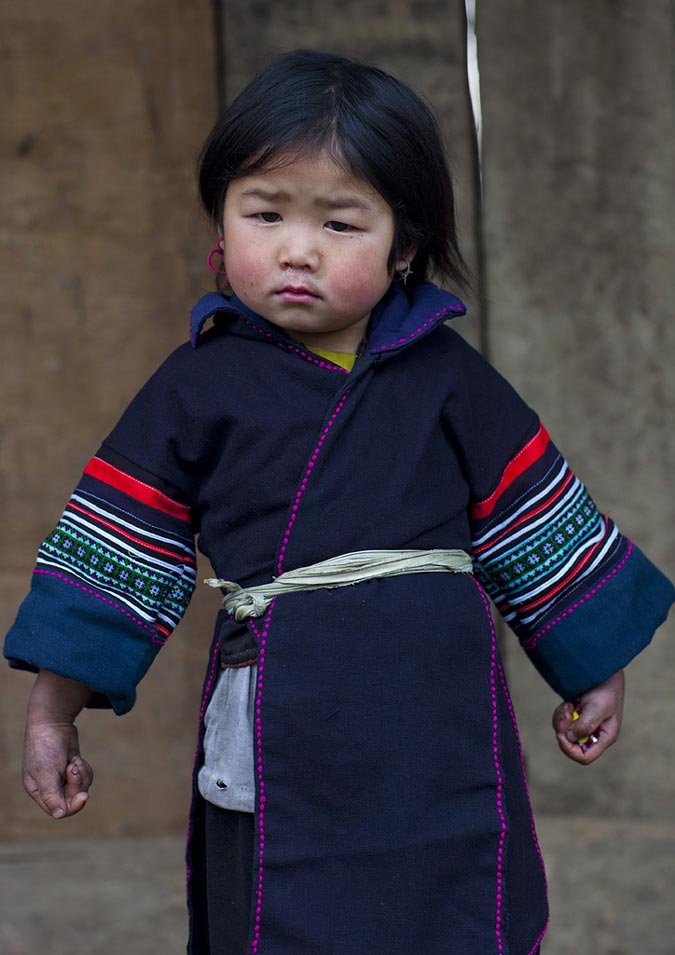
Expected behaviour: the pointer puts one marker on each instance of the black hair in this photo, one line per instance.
(369, 122)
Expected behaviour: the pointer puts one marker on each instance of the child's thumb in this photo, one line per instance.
(54, 803)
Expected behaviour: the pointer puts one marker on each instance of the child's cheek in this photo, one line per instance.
(246, 272)
(362, 283)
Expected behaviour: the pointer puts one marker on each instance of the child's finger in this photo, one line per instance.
(601, 706)
(54, 803)
(79, 777)
(61, 797)
(32, 787)
(562, 717)
(580, 740)
(585, 724)
(61, 804)
(583, 755)
(76, 803)
(44, 784)
(586, 749)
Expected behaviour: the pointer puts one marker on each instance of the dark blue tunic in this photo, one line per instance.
(385, 737)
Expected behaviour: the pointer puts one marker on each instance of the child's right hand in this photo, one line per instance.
(54, 773)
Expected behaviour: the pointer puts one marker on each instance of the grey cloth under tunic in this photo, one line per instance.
(227, 777)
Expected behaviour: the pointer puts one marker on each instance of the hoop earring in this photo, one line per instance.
(405, 273)
(219, 250)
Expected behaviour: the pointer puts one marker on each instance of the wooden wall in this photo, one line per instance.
(104, 248)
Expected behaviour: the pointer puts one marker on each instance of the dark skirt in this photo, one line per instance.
(229, 868)
(229, 862)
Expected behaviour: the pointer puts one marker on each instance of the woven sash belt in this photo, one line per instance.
(339, 571)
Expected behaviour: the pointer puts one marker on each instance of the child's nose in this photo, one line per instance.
(299, 251)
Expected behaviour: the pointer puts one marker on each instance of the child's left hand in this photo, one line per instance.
(600, 710)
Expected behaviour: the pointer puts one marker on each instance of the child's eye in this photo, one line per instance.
(268, 216)
(336, 226)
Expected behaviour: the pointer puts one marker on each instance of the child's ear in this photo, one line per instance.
(402, 264)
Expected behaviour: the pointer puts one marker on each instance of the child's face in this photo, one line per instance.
(306, 247)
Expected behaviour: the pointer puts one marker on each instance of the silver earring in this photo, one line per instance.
(403, 275)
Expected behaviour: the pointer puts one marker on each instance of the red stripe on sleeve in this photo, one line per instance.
(527, 456)
(144, 493)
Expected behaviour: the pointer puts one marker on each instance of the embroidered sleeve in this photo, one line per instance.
(581, 597)
(111, 582)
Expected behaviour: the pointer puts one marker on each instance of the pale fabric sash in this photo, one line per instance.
(341, 571)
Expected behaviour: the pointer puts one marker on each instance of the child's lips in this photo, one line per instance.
(296, 293)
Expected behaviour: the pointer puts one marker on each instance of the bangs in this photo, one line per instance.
(322, 139)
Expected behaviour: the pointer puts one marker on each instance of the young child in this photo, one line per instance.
(359, 787)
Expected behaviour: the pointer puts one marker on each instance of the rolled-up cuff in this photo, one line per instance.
(79, 633)
(603, 630)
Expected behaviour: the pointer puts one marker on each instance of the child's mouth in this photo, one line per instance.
(296, 293)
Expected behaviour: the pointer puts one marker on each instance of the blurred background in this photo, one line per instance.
(104, 251)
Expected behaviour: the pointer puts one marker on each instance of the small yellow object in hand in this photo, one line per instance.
(584, 739)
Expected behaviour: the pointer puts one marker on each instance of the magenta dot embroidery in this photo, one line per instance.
(262, 639)
(531, 642)
(156, 637)
(298, 351)
(498, 772)
(430, 321)
(496, 670)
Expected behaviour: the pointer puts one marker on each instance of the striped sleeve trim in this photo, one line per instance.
(145, 493)
(520, 462)
(126, 547)
(545, 542)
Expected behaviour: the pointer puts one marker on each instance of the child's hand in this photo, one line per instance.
(600, 711)
(54, 773)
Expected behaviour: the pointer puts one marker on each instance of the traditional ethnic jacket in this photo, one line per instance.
(392, 813)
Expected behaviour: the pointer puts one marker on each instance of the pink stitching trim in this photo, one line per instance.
(160, 641)
(307, 475)
(498, 772)
(535, 840)
(430, 321)
(262, 637)
(322, 363)
(531, 642)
